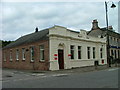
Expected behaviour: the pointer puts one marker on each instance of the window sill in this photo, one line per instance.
(32, 61)
(42, 61)
(72, 59)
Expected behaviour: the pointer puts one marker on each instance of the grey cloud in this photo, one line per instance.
(22, 18)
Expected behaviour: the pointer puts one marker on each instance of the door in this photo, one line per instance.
(61, 59)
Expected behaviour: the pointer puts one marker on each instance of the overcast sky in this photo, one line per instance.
(21, 18)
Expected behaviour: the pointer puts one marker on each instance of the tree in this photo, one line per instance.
(5, 43)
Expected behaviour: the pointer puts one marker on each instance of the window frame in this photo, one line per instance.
(88, 53)
(17, 54)
(42, 52)
(23, 54)
(72, 51)
(115, 54)
(32, 54)
(79, 52)
(4, 57)
(101, 52)
(94, 52)
(11, 55)
(118, 53)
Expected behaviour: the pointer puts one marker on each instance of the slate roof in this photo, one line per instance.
(97, 32)
(103, 31)
(30, 38)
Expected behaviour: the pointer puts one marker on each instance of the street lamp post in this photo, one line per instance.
(108, 44)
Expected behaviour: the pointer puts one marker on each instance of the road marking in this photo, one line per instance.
(57, 75)
(38, 74)
(44, 76)
(113, 69)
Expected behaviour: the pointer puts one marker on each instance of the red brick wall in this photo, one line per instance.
(27, 64)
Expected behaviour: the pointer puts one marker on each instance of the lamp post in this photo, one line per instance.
(108, 44)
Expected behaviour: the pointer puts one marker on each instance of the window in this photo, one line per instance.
(72, 51)
(111, 38)
(23, 53)
(117, 40)
(88, 52)
(112, 53)
(79, 52)
(114, 39)
(10, 55)
(118, 54)
(4, 56)
(42, 58)
(93, 52)
(101, 53)
(32, 53)
(17, 54)
(115, 54)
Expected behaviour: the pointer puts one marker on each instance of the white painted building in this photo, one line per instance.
(69, 49)
(53, 49)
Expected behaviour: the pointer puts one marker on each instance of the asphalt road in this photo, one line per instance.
(95, 79)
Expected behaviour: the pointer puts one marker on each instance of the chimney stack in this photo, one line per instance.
(36, 29)
(95, 25)
(110, 27)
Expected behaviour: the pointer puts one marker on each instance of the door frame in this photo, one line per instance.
(61, 59)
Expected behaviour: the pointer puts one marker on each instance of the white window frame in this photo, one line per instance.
(23, 53)
(4, 56)
(118, 53)
(115, 51)
(88, 53)
(72, 50)
(94, 52)
(79, 50)
(17, 54)
(101, 52)
(42, 53)
(32, 53)
(10, 55)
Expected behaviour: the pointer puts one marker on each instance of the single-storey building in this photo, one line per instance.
(55, 48)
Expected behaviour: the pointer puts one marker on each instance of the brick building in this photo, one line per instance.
(53, 49)
(114, 39)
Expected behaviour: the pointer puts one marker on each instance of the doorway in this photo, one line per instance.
(61, 58)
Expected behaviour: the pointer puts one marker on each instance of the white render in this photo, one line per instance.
(62, 38)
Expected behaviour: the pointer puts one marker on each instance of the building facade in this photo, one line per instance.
(113, 39)
(55, 48)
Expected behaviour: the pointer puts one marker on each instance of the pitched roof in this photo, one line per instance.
(95, 33)
(33, 37)
(103, 31)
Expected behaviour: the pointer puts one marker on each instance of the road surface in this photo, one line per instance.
(95, 79)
